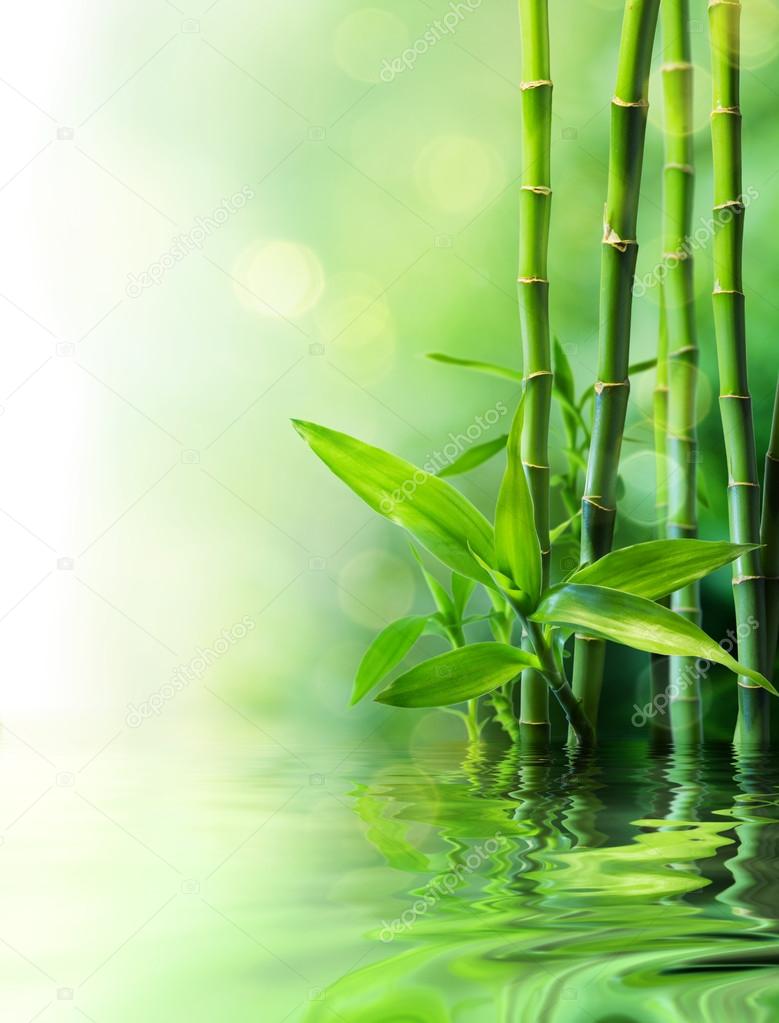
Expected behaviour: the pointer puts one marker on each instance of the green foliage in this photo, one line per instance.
(490, 368)
(386, 651)
(659, 567)
(475, 456)
(635, 622)
(458, 675)
(517, 550)
(611, 599)
(436, 514)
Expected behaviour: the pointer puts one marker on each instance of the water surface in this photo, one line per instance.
(452, 884)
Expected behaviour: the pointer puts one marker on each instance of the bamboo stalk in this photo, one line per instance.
(618, 263)
(769, 535)
(535, 202)
(659, 675)
(730, 332)
(581, 729)
(679, 306)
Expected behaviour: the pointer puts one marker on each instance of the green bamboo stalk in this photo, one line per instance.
(660, 416)
(535, 200)
(659, 665)
(618, 263)
(679, 306)
(769, 536)
(730, 332)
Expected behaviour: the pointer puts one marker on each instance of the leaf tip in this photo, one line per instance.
(302, 427)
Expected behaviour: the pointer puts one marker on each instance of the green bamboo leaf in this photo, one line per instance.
(572, 412)
(702, 493)
(458, 675)
(439, 625)
(563, 374)
(386, 651)
(440, 518)
(488, 616)
(504, 585)
(641, 367)
(517, 550)
(490, 368)
(441, 598)
(560, 530)
(462, 591)
(575, 459)
(635, 622)
(475, 456)
(659, 567)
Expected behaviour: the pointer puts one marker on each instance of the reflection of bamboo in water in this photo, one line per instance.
(584, 778)
(755, 890)
(683, 772)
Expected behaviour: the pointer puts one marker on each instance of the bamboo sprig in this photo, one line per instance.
(618, 263)
(769, 535)
(730, 332)
(679, 310)
(535, 201)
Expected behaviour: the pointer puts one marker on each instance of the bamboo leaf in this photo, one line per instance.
(659, 567)
(458, 675)
(440, 517)
(475, 456)
(641, 367)
(575, 459)
(702, 493)
(462, 591)
(386, 651)
(441, 598)
(569, 409)
(560, 530)
(503, 584)
(635, 622)
(490, 368)
(563, 374)
(517, 550)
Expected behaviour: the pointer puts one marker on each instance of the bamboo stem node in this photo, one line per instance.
(595, 504)
(610, 237)
(640, 103)
(601, 385)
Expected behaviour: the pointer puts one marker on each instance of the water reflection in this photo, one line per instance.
(624, 885)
